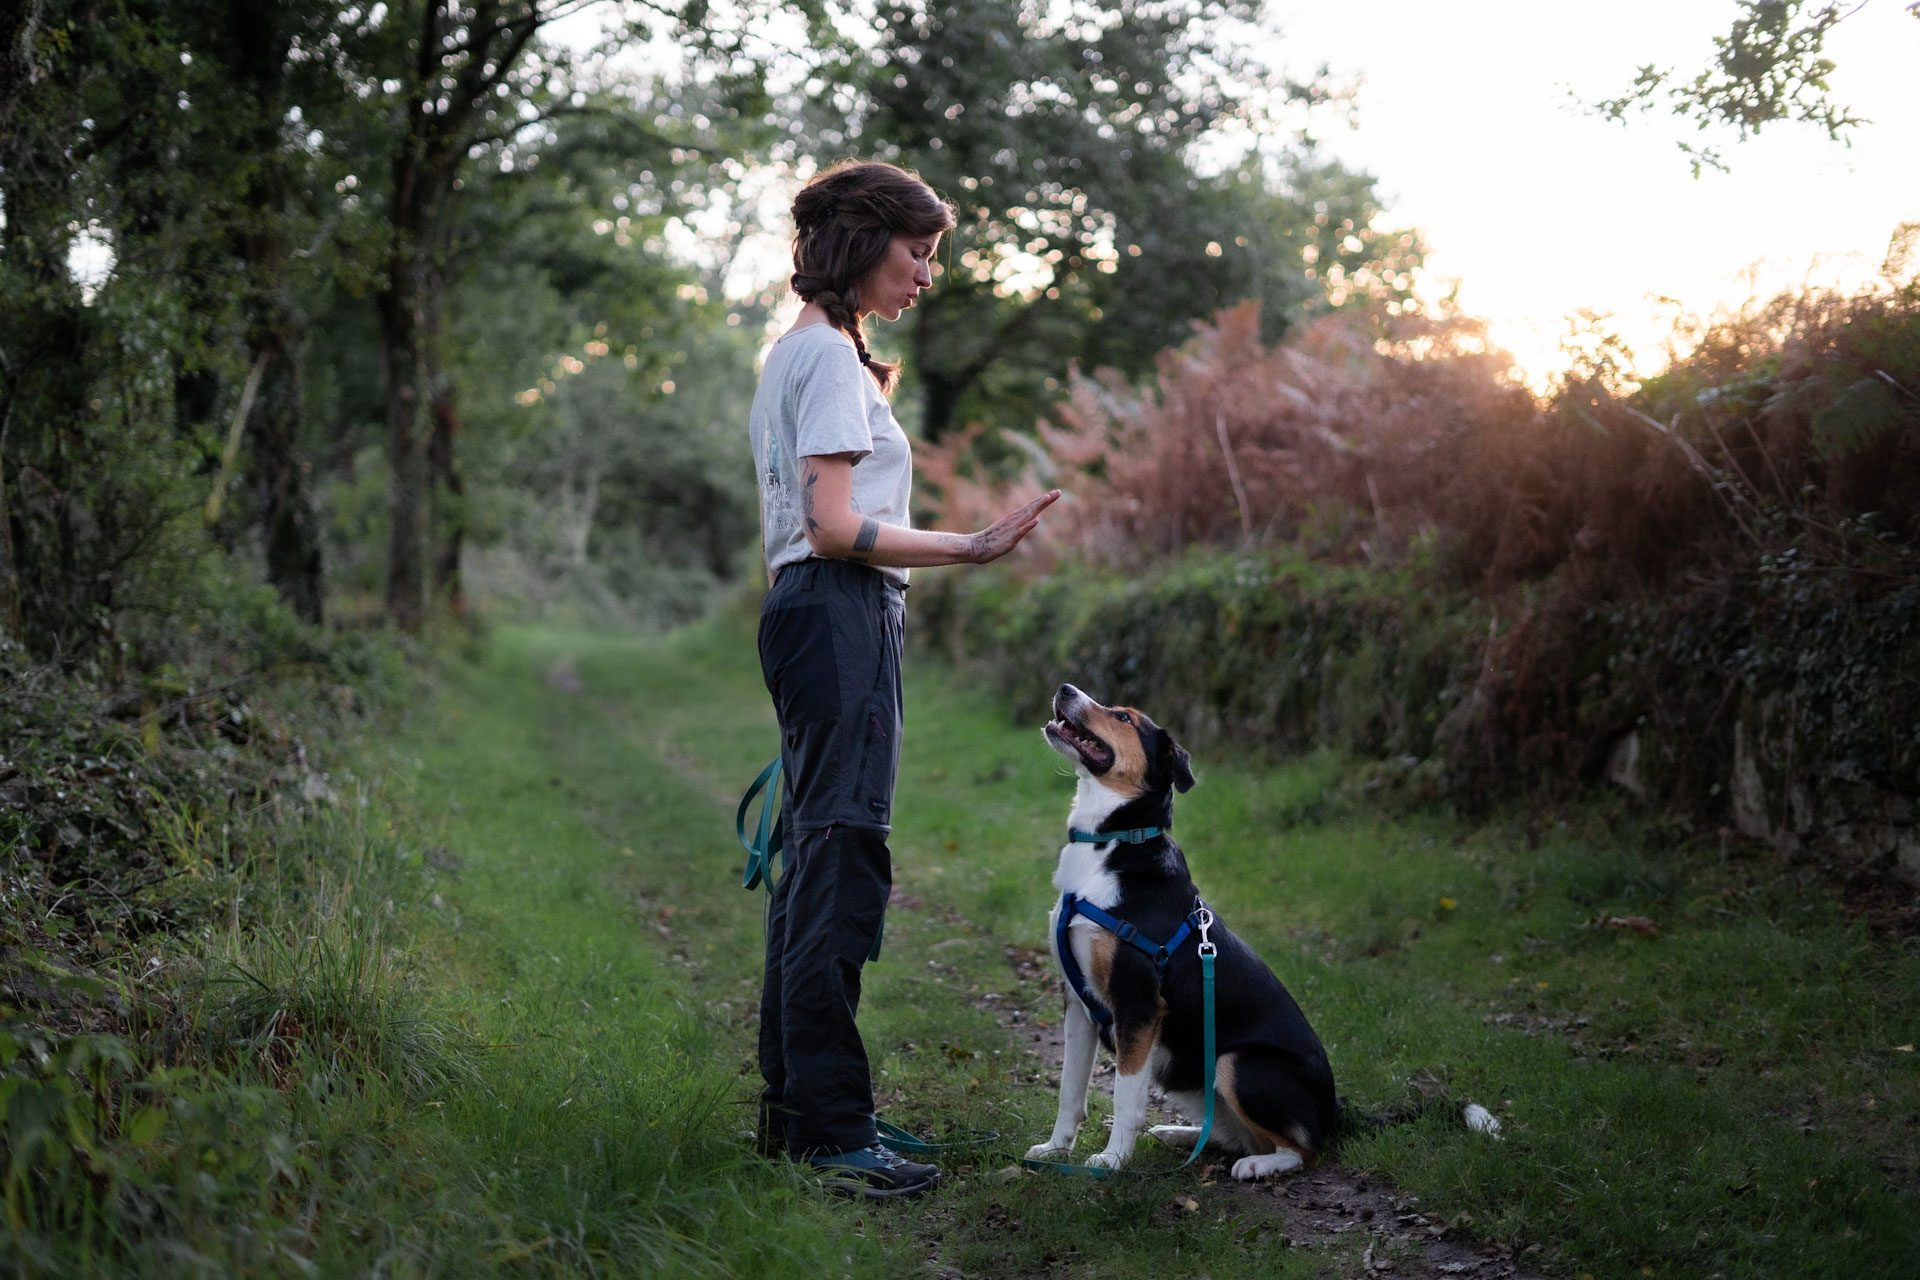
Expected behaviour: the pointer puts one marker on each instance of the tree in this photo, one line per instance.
(251, 84)
(547, 222)
(442, 64)
(99, 443)
(470, 84)
(1082, 144)
(1769, 67)
(155, 140)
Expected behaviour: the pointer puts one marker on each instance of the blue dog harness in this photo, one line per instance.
(1158, 952)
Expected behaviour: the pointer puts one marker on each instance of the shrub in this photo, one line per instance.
(1401, 550)
(1271, 648)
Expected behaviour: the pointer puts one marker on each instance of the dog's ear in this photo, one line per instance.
(1180, 764)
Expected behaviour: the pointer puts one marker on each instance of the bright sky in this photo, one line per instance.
(1540, 211)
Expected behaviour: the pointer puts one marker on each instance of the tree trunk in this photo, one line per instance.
(444, 102)
(406, 501)
(51, 596)
(16, 73)
(279, 477)
(9, 580)
(17, 23)
(277, 471)
(447, 492)
(939, 400)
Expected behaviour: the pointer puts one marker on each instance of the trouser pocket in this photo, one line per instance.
(879, 760)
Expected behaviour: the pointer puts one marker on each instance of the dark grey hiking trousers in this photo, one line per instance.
(830, 638)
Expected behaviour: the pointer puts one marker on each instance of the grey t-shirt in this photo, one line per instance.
(815, 398)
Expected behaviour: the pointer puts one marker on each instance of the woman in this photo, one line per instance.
(835, 474)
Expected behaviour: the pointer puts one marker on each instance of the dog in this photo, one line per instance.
(1275, 1107)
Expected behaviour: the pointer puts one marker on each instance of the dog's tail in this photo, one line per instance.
(1428, 1093)
(1355, 1120)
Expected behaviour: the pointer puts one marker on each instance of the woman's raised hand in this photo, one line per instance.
(1004, 534)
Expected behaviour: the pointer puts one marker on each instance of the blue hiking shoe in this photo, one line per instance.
(876, 1172)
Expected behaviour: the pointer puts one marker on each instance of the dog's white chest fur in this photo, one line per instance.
(1082, 870)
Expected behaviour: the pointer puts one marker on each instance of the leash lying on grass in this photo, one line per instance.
(769, 842)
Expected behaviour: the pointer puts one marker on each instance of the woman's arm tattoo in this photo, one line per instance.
(806, 499)
(869, 532)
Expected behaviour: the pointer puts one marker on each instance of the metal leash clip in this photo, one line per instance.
(1205, 913)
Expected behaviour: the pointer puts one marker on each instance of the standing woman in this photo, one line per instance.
(835, 475)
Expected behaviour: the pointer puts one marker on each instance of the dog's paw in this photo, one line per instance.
(1180, 1137)
(1108, 1160)
(1044, 1151)
(1271, 1165)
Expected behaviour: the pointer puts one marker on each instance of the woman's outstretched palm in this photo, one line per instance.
(1004, 534)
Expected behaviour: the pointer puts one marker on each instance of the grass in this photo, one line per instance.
(503, 1022)
(1727, 1096)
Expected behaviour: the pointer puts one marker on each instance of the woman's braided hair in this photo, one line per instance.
(844, 222)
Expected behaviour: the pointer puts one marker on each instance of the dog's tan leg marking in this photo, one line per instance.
(1135, 1045)
(1076, 1077)
(1259, 1140)
(1132, 1084)
(1100, 964)
(1272, 1153)
(1229, 1136)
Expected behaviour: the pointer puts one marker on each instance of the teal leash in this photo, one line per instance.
(768, 838)
(1207, 952)
(769, 841)
(901, 1140)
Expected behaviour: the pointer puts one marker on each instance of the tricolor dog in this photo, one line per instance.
(1134, 982)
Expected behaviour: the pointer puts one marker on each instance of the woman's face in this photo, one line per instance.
(890, 288)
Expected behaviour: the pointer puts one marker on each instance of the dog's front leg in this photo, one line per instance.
(1076, 1077)
(1133, 1039)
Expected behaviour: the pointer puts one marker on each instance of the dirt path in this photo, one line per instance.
(1332, 1208)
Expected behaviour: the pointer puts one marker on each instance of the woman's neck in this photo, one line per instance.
(811, 314)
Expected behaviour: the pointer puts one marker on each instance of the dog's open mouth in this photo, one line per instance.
(1097, 754)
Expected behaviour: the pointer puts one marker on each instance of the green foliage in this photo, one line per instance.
(1644, 570)
(1682, 669)
(203, 966)
(1859, 417)
(109, 1165)
(330, 1004)
(608, 470)
(1769, 67)
(1271, 649)
(1098, 154)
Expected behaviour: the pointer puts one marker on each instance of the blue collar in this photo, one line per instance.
(1159, 953)
(1135, 835)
